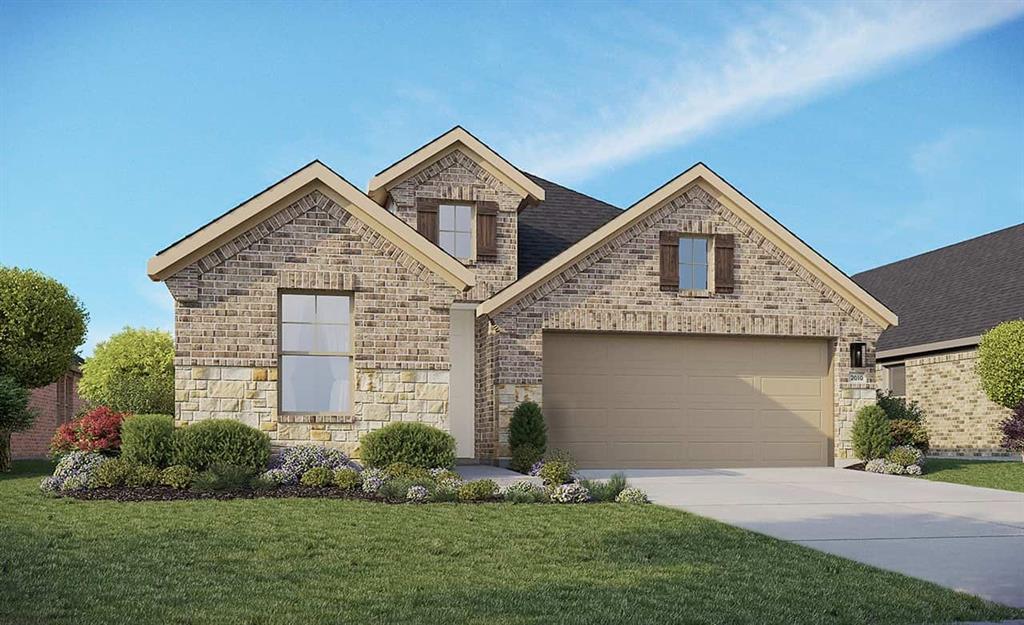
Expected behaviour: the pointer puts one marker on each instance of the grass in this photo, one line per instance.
(999, 474)
(328, 561)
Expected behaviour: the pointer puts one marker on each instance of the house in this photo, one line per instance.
(689, 330)
(945, 300)
(55, 405)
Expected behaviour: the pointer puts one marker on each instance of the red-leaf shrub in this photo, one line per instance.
(1013, 431)
(97, 430)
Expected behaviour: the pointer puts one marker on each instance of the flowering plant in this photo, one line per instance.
(631, 495)
(373, 480)
(573, 492)
(74, 471)
(294, 462)
(417, 494)
(98, 430)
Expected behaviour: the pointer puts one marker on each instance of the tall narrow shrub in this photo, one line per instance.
(527, 427)
(871, 435)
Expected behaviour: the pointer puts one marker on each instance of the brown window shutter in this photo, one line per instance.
(426, 217)
(669, 244)
(724, 281)
(486, 229)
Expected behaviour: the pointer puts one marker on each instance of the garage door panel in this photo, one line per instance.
(791, 386)
(721, 417)
(810, 452)
(724, 452)
(718, 385)
(664, 453)
(810, 420)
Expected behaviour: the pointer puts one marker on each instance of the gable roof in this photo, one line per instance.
(457, 137)
(700, 174)
(954, 292)
(563, 218)
(314, 176)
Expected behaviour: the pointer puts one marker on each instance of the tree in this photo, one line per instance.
(41, 326)
(132, 371)
(1001, 363)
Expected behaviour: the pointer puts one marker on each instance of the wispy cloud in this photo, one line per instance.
(782, 59)
(945, 151)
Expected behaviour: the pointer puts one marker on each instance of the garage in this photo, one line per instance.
(659, 401)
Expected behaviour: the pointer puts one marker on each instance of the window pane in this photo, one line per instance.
(332, 309)
(462, 245)
(446, 215)
(685, 277)
(332, 338)
(297, 337)
(700, 277)
(314, 383)
(462, 218)
(700, 251)
(898, 380)
(297, 307)
(447, 242)
(685, 245)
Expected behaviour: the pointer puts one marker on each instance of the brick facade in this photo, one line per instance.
(616, 288)
(55, 405)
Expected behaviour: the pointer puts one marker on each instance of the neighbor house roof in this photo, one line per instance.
(947, 297)
(699, 175)
(563, 218)
(313, 177)
(458, 138)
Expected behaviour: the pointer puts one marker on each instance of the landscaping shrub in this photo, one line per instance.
(909, 432)
(524, 491)
(319, 477)
(132, 371)
(178, 476)
(524, 457)
(896, 407)
(98, 430)
(883, 465)
(75, 470)
(373, 480)
(417, 494)
(632, 495)
(295, 461)
(417, 444)
(905, 455)
(111, 474)
(445, 493)
(262, 483)
(225, 441)
(405, 471)
(1013, 430)
(871, 436)
(148, 439)
(606, 491)
(573, 492)
(141, 475)
(222, 476)
(347, 479)
(555, 472)
(395, 490)
(446, 478)
(478, 490)
(276, 477)
(1001, 363)
(526, 427)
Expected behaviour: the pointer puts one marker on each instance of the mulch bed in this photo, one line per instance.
(166, 493)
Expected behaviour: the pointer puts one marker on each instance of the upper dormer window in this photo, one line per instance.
(455, 229)
(693, 263)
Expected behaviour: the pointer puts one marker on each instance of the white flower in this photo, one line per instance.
(417, 493)
(632, 495)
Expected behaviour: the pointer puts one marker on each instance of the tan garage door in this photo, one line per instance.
(662, 401)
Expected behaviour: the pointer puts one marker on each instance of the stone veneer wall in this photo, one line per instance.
(961, 419)
(616, 288)
(457, 177)
(226, 325)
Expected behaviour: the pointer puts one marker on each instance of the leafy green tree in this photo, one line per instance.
(132, 371)
(15, 415)
(1001, 363)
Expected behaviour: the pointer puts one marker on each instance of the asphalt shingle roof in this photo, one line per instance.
(563, 218)
(953, 292)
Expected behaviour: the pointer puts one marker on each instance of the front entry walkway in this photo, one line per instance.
(961, 537)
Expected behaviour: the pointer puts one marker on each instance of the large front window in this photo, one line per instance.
(316, 353)
(455, 229)
(693, 263)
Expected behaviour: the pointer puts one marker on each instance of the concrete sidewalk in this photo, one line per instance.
(961, 537)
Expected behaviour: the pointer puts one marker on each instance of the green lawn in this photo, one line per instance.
(280, 561)
(988, 473)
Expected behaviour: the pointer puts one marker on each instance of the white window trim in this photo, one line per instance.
(349, 353)
(472, 229)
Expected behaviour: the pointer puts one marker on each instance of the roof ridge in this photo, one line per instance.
(940, 249)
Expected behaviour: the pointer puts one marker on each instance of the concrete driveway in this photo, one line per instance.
(961, 537)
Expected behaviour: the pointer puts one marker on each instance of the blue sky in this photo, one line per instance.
(873, 131)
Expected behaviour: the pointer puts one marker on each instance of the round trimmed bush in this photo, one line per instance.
(178, 476)
(132, 371)
(142, 475)
(319, 477)
(1001, 363)
(556, 472)
(347, 479)
(224, 441)
(148, 439)
(479, 490)
(416, 444)
(871, 436)
(112, 474)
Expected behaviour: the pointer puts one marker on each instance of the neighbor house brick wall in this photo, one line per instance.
(55, 405)
(226, 325)
(455, 176)
(961, 420)
(616, 288)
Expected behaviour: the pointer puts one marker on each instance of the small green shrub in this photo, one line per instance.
(178, 476)
(405, 471)
(222, 476)
(478, 490)
(525, 491)
(905, 455)
(148, 439)
(896, 407)
(347, 479)
(226, 441)
(526, 427)
(907, 432)
(142, 475)
(417, 444)
(111, 474)
(524, 457)
(1001, 363)
(395, 489)
(263, 483)
(606, 491)
(444, 493)
(556, 472)
(871, 436)
(318, 477)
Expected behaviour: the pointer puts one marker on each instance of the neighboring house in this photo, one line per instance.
(946, 299)
(689, 330)
(55, 405)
